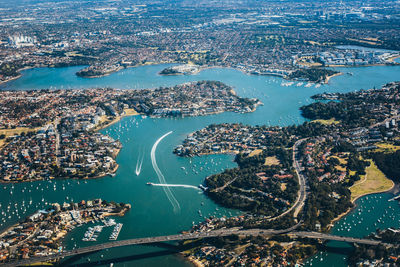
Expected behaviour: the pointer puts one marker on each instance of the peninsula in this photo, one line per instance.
(41, 233)
(45, 139)
(332, 155)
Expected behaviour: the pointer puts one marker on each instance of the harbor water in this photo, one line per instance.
(153, 212)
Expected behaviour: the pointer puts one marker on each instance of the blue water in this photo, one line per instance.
(372, 212)
(152, 212)
(363, 48)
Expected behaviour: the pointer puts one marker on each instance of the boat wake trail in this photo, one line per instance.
(177, 185)
(161, 178)
(139, 164)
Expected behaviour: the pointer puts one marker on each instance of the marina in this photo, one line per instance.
(93, 233)
(115, 233)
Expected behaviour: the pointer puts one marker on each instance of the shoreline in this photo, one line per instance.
(373, 192)
(62, 178)
(202, 68)
(11, 79)
(340, 216)
(192, 260)
(367, 65)
(101, 75)
(392, 59)
(376, 192)
(117, 119)
(113, 171)
(327, 78)
(62, 232)
(18, 76)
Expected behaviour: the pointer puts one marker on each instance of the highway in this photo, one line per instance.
(317, 235)
(302, 194)
(179, 237)
(297, 207)
(302, 180)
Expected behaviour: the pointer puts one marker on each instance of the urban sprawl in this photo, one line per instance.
(300, 177)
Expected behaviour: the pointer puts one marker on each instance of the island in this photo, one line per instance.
(316, 75)
(95, 71)
(288, 39)
(181, 70)
(42, 233)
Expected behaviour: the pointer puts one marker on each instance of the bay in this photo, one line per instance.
(152, 214)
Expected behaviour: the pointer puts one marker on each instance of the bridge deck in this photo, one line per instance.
(178, 237)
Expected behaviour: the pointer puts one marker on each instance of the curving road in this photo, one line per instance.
(297, 207)
(302, 193)
(302, 196)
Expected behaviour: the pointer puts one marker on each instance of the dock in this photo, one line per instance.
(115, 233)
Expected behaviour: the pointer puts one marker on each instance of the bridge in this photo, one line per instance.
(181, 237)
(297, 208)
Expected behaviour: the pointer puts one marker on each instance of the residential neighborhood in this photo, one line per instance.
(41, 233)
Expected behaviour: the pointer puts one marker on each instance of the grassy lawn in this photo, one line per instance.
(270, 161)
(130, 112)
(386, 147)
(373, 182)
(340, 168)
(341, 160)
(17, 131)
(12, 132)
(240, 249)
(283, 186)
(327, 122)
(255, 152)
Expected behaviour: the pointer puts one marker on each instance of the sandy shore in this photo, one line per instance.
(330, 77)
(127, 113)
(11, 79)
(194, 261)
(392, 59)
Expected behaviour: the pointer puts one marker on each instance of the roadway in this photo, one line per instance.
(302, 180)
(297, 207)
(179, 237)
(302, 193)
